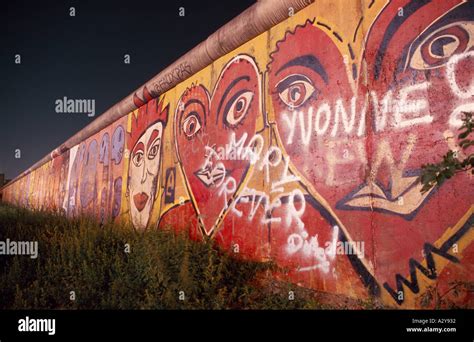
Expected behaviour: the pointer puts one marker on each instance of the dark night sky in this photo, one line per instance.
(82, 58)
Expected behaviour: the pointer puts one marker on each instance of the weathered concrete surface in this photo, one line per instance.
(303, 146)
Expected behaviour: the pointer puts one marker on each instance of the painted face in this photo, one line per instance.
(420, 82)
(144, 166)
(358, 133)
(305, 82)
(425, 59)
(208, 131)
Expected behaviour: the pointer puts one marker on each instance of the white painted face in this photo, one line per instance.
(144, 166)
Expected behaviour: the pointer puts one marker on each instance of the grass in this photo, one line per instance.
(160, 267)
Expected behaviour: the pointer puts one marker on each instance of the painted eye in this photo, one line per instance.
(295, 90)
(191, 125)
(237, 107)
(154, 149)
(138, 158)
(437, 48)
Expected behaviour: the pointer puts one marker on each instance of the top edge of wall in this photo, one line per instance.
(255, 20)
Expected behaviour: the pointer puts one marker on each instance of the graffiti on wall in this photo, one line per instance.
(145, 150)
(302, 146)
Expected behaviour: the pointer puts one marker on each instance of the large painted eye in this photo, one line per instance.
(137, 155)
(138, 158)
(191, 125)
(237, 107)
(295, 90)
(437, 48)
(155, 148)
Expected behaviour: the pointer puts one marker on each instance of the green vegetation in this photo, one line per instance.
(82, 256)
(451, 163)
(434, 299)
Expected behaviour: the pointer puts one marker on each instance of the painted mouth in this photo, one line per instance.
(375, 197)
(140, 200)
(210, 176)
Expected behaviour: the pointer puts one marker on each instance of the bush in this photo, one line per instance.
(80, 255)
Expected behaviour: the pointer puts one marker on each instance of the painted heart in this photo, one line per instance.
(360, 148)
(212, 136)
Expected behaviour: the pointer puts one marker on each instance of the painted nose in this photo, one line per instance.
(144, 172)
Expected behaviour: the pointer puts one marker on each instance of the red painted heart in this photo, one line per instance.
(208, 132)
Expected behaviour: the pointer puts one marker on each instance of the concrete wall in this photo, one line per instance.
(300, 143)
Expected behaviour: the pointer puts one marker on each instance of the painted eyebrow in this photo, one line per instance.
(226, 92)
(392, 28)
(152, 138)
(138, 146)
(308, 61)
(283, 84)
(188, 103)
(198, 102)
